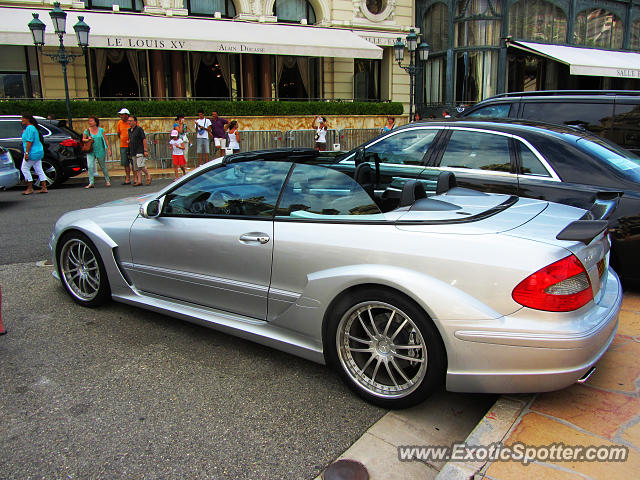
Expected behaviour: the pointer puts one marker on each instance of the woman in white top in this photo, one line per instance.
(321, 133)
(234, 136)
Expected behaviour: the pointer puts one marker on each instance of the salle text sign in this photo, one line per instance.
(628, 72)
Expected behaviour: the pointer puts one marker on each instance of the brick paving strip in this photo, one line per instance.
(605, 411)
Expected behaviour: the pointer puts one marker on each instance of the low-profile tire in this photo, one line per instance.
(385, 348)
(81, 270)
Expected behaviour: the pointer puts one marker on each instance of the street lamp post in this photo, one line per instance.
(59, 20)
(413, 68)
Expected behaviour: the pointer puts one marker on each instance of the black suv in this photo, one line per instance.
(612, 114)
(63, 157)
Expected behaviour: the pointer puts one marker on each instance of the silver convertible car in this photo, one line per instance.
(481, 292)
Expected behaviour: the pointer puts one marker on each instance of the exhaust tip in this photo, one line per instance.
(586, 376)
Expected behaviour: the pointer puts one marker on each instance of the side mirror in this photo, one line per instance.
(151, 209)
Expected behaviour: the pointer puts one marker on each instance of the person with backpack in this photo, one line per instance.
(33, 148)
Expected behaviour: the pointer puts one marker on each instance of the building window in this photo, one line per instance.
(130, 5)
(19, 73)
(214, 74)
(366, 79)
(292, 11)
(120, 73)
(477, 23)
(208, 8)
(476, 72)
(376, 7)
(599, 28)
(436, 27)
(297, 77)
(538, 21)
(434, 79)
(635, 35)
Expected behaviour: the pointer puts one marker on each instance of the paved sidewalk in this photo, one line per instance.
(605, 411)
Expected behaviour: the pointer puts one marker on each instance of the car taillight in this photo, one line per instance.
(562, 286)
(69, 142)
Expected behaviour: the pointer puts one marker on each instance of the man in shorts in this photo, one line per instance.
(203, 130)
(219, 132)
(139, 151)
(122, 130)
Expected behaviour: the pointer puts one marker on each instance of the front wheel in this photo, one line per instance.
(385, 348)
(82, 271)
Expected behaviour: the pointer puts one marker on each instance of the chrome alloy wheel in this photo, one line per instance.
(382, 349)
(80, 270)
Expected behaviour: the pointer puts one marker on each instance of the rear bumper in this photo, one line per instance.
(503, 361)
(9, 178)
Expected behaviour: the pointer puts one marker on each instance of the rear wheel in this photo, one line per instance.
(385, 348)
(82, 271)
(52, 170)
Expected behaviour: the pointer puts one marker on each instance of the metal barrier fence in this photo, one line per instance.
(160, 151)
(352, 137)
(306, 138)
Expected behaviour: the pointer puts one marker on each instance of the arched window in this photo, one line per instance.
(599, 28)
(538, 21)
(292, 11)
(477, 23)
(436, 27)
(635, 35)
(208, 8)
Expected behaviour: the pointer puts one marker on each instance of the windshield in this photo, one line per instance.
(623, 161)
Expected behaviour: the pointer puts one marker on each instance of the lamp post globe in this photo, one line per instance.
(37, 28)
(398, 50)
(412, 40)
(59, 18)
(423, 51)
(82, 33)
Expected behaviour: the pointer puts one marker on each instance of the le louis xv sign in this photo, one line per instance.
(167, 44)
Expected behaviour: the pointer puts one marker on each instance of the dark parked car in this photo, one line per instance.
(63, 157)
(528, 159)
(614, 115)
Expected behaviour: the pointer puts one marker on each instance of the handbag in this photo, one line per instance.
(87, 145)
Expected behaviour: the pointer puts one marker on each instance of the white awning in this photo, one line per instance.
(131, 30)
(588, 61)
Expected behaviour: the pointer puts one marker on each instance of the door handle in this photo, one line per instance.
(255, 237)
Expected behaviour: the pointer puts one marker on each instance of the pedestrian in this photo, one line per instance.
(321, 133)
(234, 136)
(390, 125)
(178, 148)
(139, 151)
(219, 131)
(122, 129)
(98, 151)
(203, 130)
(181, 126)
(33, 149)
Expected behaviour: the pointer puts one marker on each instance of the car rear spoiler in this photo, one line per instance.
(595, 221)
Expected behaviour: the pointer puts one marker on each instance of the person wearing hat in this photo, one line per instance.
(122, 130)
(178, 148)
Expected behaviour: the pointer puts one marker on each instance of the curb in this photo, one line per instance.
(496, 424)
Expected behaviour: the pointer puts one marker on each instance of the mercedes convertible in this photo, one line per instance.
(449, 286)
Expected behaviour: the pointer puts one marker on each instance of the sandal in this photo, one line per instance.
(43, 191)
(89, 186)
(27, 192)
(108, 184)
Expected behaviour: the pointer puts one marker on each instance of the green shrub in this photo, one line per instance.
(169, 108)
